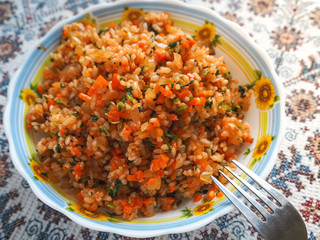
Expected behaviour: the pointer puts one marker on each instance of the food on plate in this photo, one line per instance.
(137, 116)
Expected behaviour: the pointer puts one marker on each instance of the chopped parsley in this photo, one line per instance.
(209, 104)
(104, 131)
(206, 73)
(171, 137)
(187, 84)
(62, 85)
(173, 44)
(242, 91)
(217, 72)
(94, 118)
(182, 108)
(75, 114)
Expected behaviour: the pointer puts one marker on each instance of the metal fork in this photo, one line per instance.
(279, 222)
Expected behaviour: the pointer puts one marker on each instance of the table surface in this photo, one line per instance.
(289, 31)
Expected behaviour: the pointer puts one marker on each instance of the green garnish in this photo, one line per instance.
(182, 108)
(94, 118)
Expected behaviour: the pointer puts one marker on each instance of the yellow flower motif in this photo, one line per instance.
(132, 14)
(88, 20)
(264, 90)
(74, 207)
(28, 96)
(39, 171)
(206, 33)
(262, 146)
(203, 208)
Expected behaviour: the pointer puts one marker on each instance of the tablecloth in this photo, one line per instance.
(288, 30)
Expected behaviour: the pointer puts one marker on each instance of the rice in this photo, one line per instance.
(137, 117)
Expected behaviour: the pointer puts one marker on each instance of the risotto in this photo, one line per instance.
(137, 116)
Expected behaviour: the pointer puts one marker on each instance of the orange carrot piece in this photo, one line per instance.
(85, 97)
(197, 197)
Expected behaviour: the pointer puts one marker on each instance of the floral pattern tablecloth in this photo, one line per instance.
(289, 30)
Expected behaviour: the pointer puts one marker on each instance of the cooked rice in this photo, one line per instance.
(162, 117)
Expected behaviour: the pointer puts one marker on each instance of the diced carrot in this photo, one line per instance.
(98, 84)
(116, 84)
(160, 99)
(141, 44)
(40, 89)
(173, 188)
(88, 27)
(173, 176)
(249, 139)
(197, 197)
(185, 44)
(75, 151)
(217, 84)
(184, 93)
(161, 55)
(119, 150)
(51, 102)
(66, 32)
(113, 164)
(131, 178)
(191, 42)
(93, 207)
(90, 153)
(174, 117)
(228, 155)
(152, 181)
(59, 95)
(159, 132)
(127, 209)
(201, 131)
(165, 92)
(211, 194)
(161, 34)
(50, 74)
(139, 175)
(170, 200)
(112, 26)
(148, 201)
(219, 194)
(185, 115)
(63, 131)
(85, 97)
(80, 197)
(135, 22)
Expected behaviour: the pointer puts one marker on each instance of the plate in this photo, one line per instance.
(248, 63)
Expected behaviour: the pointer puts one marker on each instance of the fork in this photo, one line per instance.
(279, 221)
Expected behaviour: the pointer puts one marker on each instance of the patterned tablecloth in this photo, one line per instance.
(289, 30)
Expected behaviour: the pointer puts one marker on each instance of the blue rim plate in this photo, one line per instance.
(241, 54)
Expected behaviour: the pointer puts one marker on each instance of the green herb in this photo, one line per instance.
(209, 104)
(176, 100)
(170, 51)
(57, 124)
(110, 205)
(94, 118)
(242, 91)
(212, 152)
(117, 183)
(146, 142)
(247, 152)
(153, 114)
(51, 60)
(206, 73)
(120, 126)
(71, 99)
(187, 84)
(205, 67)
(75, 114)
(58, 101)
(182, 108)
(173, 44)
(187, 213)
(217, 72)
(55, 70)
(227, 74)
(104, 131)
(150, 28)
(57, 148)
(62, 85)
(146, 86)
(107, 74)
(129, 96)
(228, 106)
(121, 105)
(141, 70)
(122, 78)
(169, 136)
(169, 147)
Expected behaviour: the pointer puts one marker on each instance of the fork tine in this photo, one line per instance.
(270, 204)
(260, 208)
(250, 216)
(266, 186)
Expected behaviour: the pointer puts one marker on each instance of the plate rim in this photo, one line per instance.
(137, 233)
